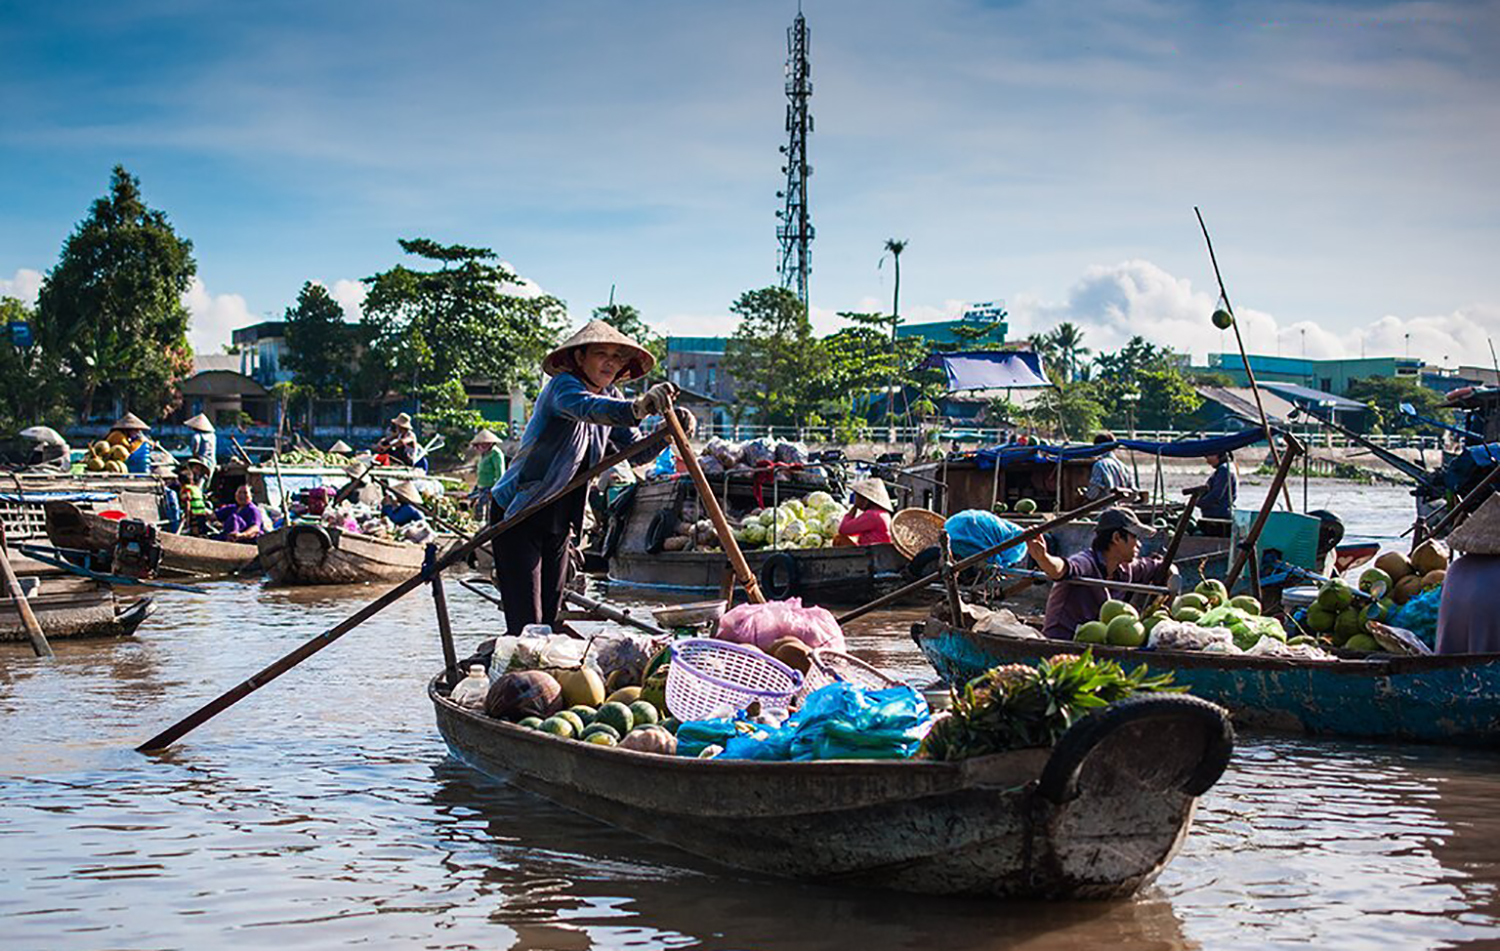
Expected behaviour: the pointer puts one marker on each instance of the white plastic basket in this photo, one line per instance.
(707, 675)
(829, 666)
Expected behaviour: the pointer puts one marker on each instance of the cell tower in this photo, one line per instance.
(795, 231)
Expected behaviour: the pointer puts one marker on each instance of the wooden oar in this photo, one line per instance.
(1037, 531)
(1247, 547)
(227, 699)
(711, 504)
(39, 645)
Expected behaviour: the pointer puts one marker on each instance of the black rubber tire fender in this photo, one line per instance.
(1059, 780)
(662, 525)
(296, 532)
(771, 583)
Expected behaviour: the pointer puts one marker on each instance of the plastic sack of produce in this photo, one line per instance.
(765, 624)
(536, 650)
(973, 531)
(792, 453)
(758, 451)
(1419, 615)
(1182, 636)
(627, 654)
(711, 466)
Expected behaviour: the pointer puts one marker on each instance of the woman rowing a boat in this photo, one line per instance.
(579, 417)
(1113, 556)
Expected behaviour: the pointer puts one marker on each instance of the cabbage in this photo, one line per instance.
(830, 525)
(820, 499)
(767, 516)
(812, 540)
(755, 533)
(794, 506)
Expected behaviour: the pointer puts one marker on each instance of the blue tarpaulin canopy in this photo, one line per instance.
(989, 369)
(1182, 449)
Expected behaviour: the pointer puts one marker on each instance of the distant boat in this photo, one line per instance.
(68, 608)
(311, 554)
(69, 526)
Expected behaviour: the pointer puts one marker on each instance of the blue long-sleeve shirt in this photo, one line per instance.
(205, 447)
(570, 429)
(1218, 500)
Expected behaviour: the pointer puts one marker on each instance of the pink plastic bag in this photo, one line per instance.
(765, 624)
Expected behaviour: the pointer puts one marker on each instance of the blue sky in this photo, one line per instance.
(1048, 154)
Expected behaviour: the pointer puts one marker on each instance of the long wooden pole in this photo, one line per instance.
(1464, 505)
(1087, 508)
(711, 503)
(232, 696)
(1247, 547)
(1265, 424)
(1169, 555)
(440, 605)
(39, 645)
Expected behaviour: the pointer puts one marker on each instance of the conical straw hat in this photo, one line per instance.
(874, 490)
(341, 447)
(1480, 532)
(597, 331)
(131, 421)
(484, 437)
(200, 424)
(406, 492)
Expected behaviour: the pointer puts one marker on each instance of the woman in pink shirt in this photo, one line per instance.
(869, 522)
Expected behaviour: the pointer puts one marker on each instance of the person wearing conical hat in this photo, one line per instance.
(399, 442)
(130, 431)
(869, 521)
(402, 505)
(579, 417)
(490, 465)
(1469, 609)
(204, 443)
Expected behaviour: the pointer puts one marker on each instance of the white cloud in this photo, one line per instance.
(1113, 303)
(214, 316)
(25, 285)
(351, 297)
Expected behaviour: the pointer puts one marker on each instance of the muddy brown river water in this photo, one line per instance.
(323, 812)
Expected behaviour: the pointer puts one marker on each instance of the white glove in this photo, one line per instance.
(654, 400)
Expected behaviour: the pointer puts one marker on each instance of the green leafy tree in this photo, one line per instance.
(320, 344)
(861, 363)
(1384, 395)
(30, 385)
(1067, 410)
(1167, 399)
(111, 310)
(627, 320)
(773, 356)
(1137, 354)
(461, 319)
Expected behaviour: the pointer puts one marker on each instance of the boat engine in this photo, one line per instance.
(137, 549)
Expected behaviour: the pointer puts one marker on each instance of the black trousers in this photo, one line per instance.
(531, 568)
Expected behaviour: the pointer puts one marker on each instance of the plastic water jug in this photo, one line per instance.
(471, 691)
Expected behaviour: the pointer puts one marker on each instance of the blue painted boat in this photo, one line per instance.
(1439, 698)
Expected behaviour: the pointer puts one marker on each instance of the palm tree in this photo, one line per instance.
(894, 246)
(1067, 340)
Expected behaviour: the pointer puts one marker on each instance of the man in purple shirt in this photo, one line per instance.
(1112, 556)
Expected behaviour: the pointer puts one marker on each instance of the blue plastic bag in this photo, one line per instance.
(694, 736)
(665, 464)
(1419, 615)
(973, 531)
(844, 721)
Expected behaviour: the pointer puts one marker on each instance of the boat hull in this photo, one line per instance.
(316, 555)
(70, 527)
(67, 609)
(1452, 699)
(992, 826)
(851, 575)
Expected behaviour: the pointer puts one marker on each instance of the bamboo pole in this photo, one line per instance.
(1088, 508)
(235, 694)
(711, 503)
(950, 581)
(34, 633)
(440, 605)
(1247, 547)
(1265, 424)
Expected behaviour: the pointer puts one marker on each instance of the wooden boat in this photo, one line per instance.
(24, 496)
(851, 575)
(1452, 698)
(67, 608)
(69, 526)
(316, 554)
(1098, 816)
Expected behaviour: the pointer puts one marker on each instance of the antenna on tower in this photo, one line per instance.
(795, 231)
